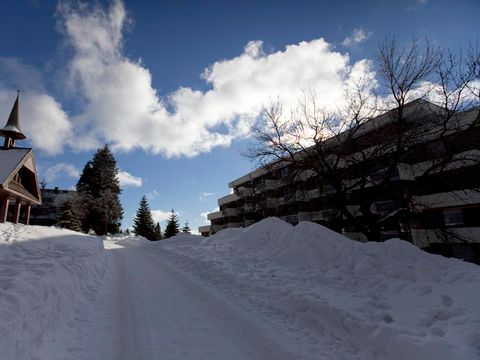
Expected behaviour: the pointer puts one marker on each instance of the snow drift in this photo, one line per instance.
(47, 277)
(339, 298)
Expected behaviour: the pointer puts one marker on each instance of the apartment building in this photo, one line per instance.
(431, 197)
(48, 212)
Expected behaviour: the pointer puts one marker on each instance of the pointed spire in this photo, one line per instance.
(12, 129)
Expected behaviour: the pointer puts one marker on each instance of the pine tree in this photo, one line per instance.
(186, 228)
(172, 227)
(158, 232)
(143, 224)
(99, 190)
(68, 219)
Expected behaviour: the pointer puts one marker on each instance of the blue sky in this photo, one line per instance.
(174, 86)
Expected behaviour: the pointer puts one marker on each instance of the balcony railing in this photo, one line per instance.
(232, 225)
(244, 191)
(204, 229)
(271, 203)
(267, 185)
(323, 215)
(230, 212)
(217, 228)
(227, 199)
(306, 216)
(292, 219)
(215, 215)
(249, 222)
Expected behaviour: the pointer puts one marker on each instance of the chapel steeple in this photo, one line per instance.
(12, 131)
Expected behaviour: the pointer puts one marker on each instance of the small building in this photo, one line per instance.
(19, 188)
(48, 212)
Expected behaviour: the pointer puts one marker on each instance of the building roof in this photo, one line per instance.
(12, 128)
(18, 175)
(9, 161)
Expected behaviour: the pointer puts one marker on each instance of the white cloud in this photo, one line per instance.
(356, 37)
(54, 172)
(127, 179)
(42, 118)
(203, 195)
(116, 103)
(161, 216)
(122, 107)
(152, 194)
(203, 215)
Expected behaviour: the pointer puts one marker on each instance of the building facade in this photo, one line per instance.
(48, 212)
(431, 197)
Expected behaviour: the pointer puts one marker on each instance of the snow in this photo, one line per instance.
(47, 280)
(270, 291)
(9, 159)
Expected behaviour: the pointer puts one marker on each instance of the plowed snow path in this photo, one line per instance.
(150, 310)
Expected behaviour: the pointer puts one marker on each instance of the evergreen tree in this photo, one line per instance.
(186, 228)
(158, 232)
(68, 219)
(99, 190)
(172, 227)
(143, 224)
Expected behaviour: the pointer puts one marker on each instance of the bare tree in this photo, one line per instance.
(359, 154)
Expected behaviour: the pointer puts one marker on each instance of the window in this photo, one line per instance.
(453, 217)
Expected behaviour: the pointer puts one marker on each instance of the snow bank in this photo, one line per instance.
(342, 299)
(47, 279)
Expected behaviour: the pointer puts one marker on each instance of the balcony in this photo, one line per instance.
(248, 208)
(302, 196)
(323, 215)
(232, 225)
(227, 199)
(271, 203)
(244, 192)
(305, 175)
(446, 199)
(249, 222)
(385, 207)
(267, 185)
(217, 228)
(230, 212)
(312, 194)
(204, 229)
(215, 215)
(292, 219)
(306, 216)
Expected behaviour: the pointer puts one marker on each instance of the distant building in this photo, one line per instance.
(443, 200)
(48, 212)
(18, 175)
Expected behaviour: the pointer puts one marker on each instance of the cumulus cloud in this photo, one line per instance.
(42, 118)
(203, 195)
(356, 37)
(115, 102)
(127, 179)
(54, 172)
(152, 194)
(204, 214)
(160, 215)
(123, 109)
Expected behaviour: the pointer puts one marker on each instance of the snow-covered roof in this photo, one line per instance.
(9, 160)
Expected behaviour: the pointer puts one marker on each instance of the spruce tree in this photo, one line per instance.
(172, 227)
(143, 224)
(158, 232)
(99, 190)
(186, 228)
(67, 218)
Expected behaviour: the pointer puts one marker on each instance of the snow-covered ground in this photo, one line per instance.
(271, 291)
(48, 279)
